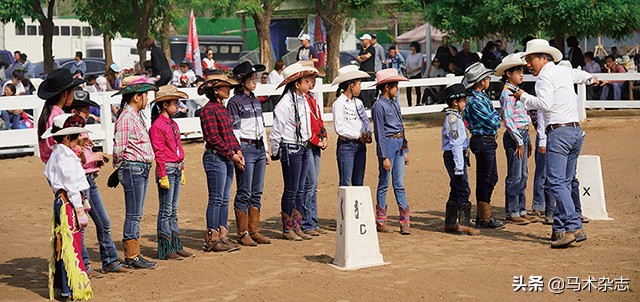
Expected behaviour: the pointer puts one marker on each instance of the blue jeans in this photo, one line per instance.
(219, 172)
(310, 204)
(394, 147)
(542, 198)
(517, 175)
(617, 91)
(168, 203)
(295, 165)
(459, 184)
(352, 161)
(484, 149)
(563, 149)
(250, 182)
(134, 177)
(98, 213)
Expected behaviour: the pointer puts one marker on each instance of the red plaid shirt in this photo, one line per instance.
(217, 131)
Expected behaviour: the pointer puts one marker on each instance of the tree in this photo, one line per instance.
(17, 10)
(147, 14)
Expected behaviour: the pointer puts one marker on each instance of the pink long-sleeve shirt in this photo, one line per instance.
(45, 145)
(165, 140)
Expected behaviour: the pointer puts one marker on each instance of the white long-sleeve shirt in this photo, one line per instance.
(64, 171)
(349, 117)
(542, 134)
(555, 96)
(284, 122)
(178, 75)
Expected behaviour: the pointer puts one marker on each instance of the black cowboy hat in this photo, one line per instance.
(81, 99)
(56, 82)
(454, 92)
(245, 68)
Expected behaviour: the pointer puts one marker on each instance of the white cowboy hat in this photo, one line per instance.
(365, 37)
(542, 46)
(65, 124)
(349, 72)
(296, 71)
(475, 73)
(512, 60)
(304, 37)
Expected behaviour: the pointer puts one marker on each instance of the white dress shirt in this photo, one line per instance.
(64, 171)
(275, 78)
(542, 133)
(284, 122)
(349, 117)
(555, 96)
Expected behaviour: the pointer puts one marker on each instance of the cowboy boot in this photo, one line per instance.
(165, 248)
(484, 219)
(287, 228)
(405, 221)
(381, 220)
(224, 237)
(464, 219)
(254, 226)
(213, 243)
(297, 225)
(177, 246)
(243, 229)
(450, 218)
(133, 259)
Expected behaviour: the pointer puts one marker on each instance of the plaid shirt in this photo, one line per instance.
(131, 142)
(514, 114)
(481, 117)
(217, 130)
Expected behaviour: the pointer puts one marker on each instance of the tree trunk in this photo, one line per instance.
(47, 43)
(334, 22)
(108, 55)
(262, 22)
(165, 30)
(143, 14)
(559, 39)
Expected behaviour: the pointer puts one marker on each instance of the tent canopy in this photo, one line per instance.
(419, 34)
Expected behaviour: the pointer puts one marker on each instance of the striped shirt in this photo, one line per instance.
(246, 117)
(131, 142)
(514, 114)
(481, 117)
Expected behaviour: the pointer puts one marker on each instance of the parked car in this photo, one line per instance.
(95, 66)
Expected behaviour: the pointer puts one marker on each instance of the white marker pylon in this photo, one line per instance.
(592, 199)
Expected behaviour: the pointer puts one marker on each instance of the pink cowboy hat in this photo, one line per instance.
(389, 75)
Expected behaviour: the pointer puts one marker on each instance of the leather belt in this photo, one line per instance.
(251, 141)
(178, 165)
(485, 136)
(555, 126)
(396, 135)
(348, 140)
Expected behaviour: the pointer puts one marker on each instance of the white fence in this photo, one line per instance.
(25, 140)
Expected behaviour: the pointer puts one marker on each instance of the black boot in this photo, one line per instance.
(450, 217)
(464, 219)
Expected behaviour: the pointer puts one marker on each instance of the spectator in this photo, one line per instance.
(590, 65)
(29, 89)
(446, 52)
(614, 52)
(463, 58)
(275, 76)
(475, 58)
(306, 51)
(78, 64)
(26, 64)
(184, 77)
(17, 64)
(16, 79)
(263, 78)
(414, 71)
(575, 53)
(366, 57)
(499, 53)
(379, 57)
(434, 71)
(453, 69)
(208, 62)
(14, 119)
(112, 77)
(160, 68)
(612, 67)
(78, 74)
(394, 60)
(4, 69)
(627, 63)
(489, 59)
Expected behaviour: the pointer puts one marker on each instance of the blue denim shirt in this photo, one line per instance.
(454, 138)
(480, 115)
(387, 120)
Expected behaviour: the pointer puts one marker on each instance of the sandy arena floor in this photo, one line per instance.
(428, 265)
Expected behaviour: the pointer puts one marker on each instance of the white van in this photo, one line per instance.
(123, 50)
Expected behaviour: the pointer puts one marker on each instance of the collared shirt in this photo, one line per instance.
(387, 120)
(454, 138)
(217, 131)
(45, 145)
(349, 117)
(82, 66)
(275, 77)
(64, 171)
(379, 57)
(538, 121)
(286, 127)
(482, 118)
(592, 67)
(555, 95)
(131, 142)
(396, 62)
(165, 140)
(246, 117)
(513, 113)
(318, 131)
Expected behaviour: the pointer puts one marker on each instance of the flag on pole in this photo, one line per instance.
(193, 47)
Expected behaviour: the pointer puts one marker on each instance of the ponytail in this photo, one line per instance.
(156, 109)
(45, 114)
(126, 98)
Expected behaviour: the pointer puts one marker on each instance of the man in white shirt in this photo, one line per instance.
(275, 76)
(556, 100)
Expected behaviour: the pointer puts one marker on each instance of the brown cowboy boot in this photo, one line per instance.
(212, 242)
(464, 219)
(297, 225)
(451, 217)
(405, 221)
(287, 228)
(254, 226)
(381, 220)
(243, 229)
(224, 237)
(484, 219)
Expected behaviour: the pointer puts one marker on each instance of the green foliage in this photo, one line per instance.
(114, 16)
(16, 11)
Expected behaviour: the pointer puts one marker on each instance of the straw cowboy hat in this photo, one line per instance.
(542, 46)
(136, 84)
(57, 81)
(389, 75)
(214, 80)
(309, 63)
(66, 124)
(296, 71)
(168, 93)
(349, 72)
(475, 73)
(512, 60)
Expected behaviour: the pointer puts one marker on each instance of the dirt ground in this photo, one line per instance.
(428, 265)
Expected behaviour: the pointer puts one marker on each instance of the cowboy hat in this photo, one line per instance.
(309, 63)
(512, 60)
(81, 99)
(245, 68)
(542, 46)
(57, 81)
(296, 71)
(389, 75)
(475, 73)
(66, 124)
(136, 84)
(454, 92)
(349, 72)
(168, 93)
(214, 80)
